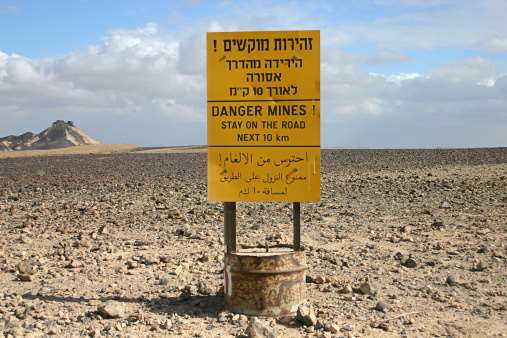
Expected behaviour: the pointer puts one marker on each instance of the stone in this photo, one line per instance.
(20, 312)
(438, 224)
(25, 239)
(407, 229)
(243, 320)
(103, 230)
(132, 264)
(26, 267)
(165, 259)
(310, 329)
(222, 317)
(483, 249)
(398, 256)
(326, 288)
(364, 289)
(186, 293)
(381, 306)
(163, 281)
(203, 259)
(346, 289)
(383, 326)
(150, 260)
(409, 263)
(445, 205)
(319, 280)
(332, 328)
(25, 277)
(347, 328)
(74, 264)
(168, 324)
(111, 309)
(451, 280)
(178, 270)
(285, 320)
(479, 266)
(84, 243)
(306, 315)
(202, 288)
(16, 332)
(53, 330)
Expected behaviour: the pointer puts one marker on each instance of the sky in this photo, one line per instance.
(394, 73)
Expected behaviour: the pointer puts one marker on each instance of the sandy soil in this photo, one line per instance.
(76, 150)
(172, 150)
(402, 244)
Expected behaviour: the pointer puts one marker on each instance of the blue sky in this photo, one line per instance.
(395, 73)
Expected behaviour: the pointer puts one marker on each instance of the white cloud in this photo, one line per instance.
(397, 78)
(453, 24)
(370, 106)
(496, 44)
(446, 106)
(131, 74)
(386, 56)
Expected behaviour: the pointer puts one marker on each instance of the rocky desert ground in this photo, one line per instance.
(404, 243)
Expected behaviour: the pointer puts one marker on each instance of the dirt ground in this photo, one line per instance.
(404, 243)
(96, 149)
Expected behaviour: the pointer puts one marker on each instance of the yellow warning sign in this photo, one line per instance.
(264, 116)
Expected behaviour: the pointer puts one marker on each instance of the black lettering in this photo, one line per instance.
(240, 111)
(287, 110)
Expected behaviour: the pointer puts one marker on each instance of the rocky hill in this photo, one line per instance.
(60, 134)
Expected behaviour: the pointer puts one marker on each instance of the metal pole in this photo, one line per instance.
(296, 218)
(230, 226)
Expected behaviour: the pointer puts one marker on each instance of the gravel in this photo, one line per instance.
(136, 231)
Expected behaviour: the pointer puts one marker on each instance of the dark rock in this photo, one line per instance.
(186, 293)
(381, 306)
(409, 263)
(25, 277)
(452, 280)
(438, 224)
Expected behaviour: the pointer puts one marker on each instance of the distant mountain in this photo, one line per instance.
(60, 134)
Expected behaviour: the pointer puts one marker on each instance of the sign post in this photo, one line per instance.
(263, 136)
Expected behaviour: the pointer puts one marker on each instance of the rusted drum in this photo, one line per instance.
(264, 283)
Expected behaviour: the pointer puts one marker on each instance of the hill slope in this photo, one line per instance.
(60, 134)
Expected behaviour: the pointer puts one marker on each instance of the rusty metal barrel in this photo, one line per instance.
(264, 283)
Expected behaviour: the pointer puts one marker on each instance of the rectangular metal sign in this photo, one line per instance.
(264, 116)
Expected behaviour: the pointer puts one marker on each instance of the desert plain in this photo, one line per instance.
(403, 243)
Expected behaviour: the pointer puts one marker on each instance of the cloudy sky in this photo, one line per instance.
(395, 73)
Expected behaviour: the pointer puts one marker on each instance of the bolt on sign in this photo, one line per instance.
(264, 116)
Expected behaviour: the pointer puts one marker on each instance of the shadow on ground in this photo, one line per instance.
(194, 306)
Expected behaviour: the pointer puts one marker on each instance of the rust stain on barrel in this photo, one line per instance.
(264, 284)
